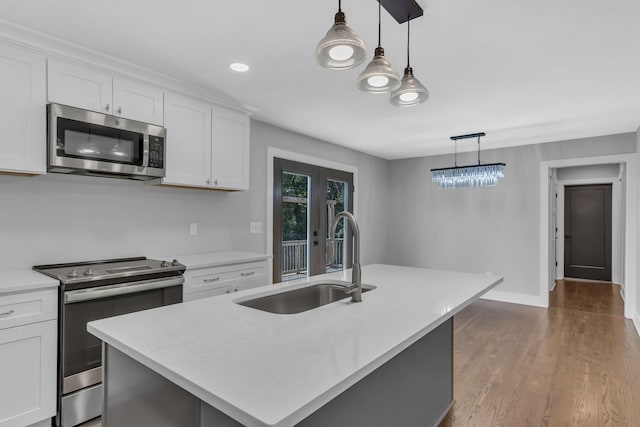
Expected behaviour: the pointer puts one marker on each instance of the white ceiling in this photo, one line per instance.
(521, 71)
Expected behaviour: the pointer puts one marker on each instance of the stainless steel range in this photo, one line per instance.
(95, 290)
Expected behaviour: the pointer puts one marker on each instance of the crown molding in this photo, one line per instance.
(51, 46)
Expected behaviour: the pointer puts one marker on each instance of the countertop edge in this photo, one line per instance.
(219, 258)
(310, 407)
(177, 379)
(25, 280)
(315, 404)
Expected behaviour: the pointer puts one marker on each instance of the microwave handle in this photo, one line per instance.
(100, 292)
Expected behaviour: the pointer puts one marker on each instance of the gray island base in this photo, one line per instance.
(414, 388)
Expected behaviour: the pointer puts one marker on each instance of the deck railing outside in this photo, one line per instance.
(294, 256)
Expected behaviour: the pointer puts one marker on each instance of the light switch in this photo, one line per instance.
(193, 229)
(255, 227)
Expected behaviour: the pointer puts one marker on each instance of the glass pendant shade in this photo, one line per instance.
(410, 92)
(378, 77)
(341, 48)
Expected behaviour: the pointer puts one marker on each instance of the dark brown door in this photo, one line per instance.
(305, 200)
(587, 229)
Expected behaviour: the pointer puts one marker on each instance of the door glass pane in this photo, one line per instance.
(336, 202)
(295, 225)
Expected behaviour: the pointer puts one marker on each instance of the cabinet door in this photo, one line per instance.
(230, 149)
(188, 145)
(23, 116)
(138, 101)
(28, 372)
(80, 86)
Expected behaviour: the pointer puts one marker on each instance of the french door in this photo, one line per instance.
(306, 198)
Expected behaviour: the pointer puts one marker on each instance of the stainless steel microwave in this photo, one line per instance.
(90, 143)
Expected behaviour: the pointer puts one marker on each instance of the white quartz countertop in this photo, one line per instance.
(22, 280)
(265, 369)
(214, 259)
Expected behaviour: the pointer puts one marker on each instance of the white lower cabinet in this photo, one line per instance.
(27, 360)
(212, 281)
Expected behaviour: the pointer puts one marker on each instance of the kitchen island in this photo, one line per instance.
(213, 362)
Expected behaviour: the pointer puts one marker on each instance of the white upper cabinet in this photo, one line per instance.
(138, 101)
(79, 86)
(23, 122)
(207, 146)
(230, 149)
(188, 146)
(89, 88)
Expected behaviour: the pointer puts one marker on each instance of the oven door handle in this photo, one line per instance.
(120, 289)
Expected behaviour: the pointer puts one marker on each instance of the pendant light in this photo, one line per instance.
(480, 175)
(341, 48)
(378, 76)
(411, 92)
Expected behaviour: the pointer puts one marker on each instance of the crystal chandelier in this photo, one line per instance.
(480, 175)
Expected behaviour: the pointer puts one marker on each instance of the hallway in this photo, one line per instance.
(574, 364)
(592, 297)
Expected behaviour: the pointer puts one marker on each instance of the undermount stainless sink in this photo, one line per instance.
(302, 299)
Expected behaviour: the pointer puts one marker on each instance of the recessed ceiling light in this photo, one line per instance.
(239, 67)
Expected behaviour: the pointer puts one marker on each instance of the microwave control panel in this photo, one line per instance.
(156, 152)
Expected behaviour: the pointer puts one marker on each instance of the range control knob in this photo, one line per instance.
(165, 264)
(175, 263)
(88, 272)
(72, 273)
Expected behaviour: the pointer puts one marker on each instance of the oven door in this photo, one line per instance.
(81, 352)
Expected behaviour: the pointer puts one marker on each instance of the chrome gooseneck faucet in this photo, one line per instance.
(356, 276)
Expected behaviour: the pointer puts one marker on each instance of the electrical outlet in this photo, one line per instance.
(193, 229)
(255, 227)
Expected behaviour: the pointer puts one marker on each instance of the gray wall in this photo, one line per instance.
(372, 188)
(637, 316)
(588, 172)
(481, 229)
(59, 218)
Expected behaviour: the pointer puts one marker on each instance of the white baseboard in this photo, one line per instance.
(636, 322)
(622, 293)
(516, 298)
(43, 423)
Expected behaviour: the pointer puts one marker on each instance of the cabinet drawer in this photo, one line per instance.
(28, 307)
(237, 276)
(212, 292)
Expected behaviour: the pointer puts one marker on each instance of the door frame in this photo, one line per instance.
(616, 230)
(272, 153)
(630, 224)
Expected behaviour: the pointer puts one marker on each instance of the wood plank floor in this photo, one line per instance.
(574, 364)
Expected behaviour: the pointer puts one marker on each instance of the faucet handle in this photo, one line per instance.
(347, 289)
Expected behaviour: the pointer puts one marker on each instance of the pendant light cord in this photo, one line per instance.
(339, 5)
(408, 39)
(379, 19)
(455, 153)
